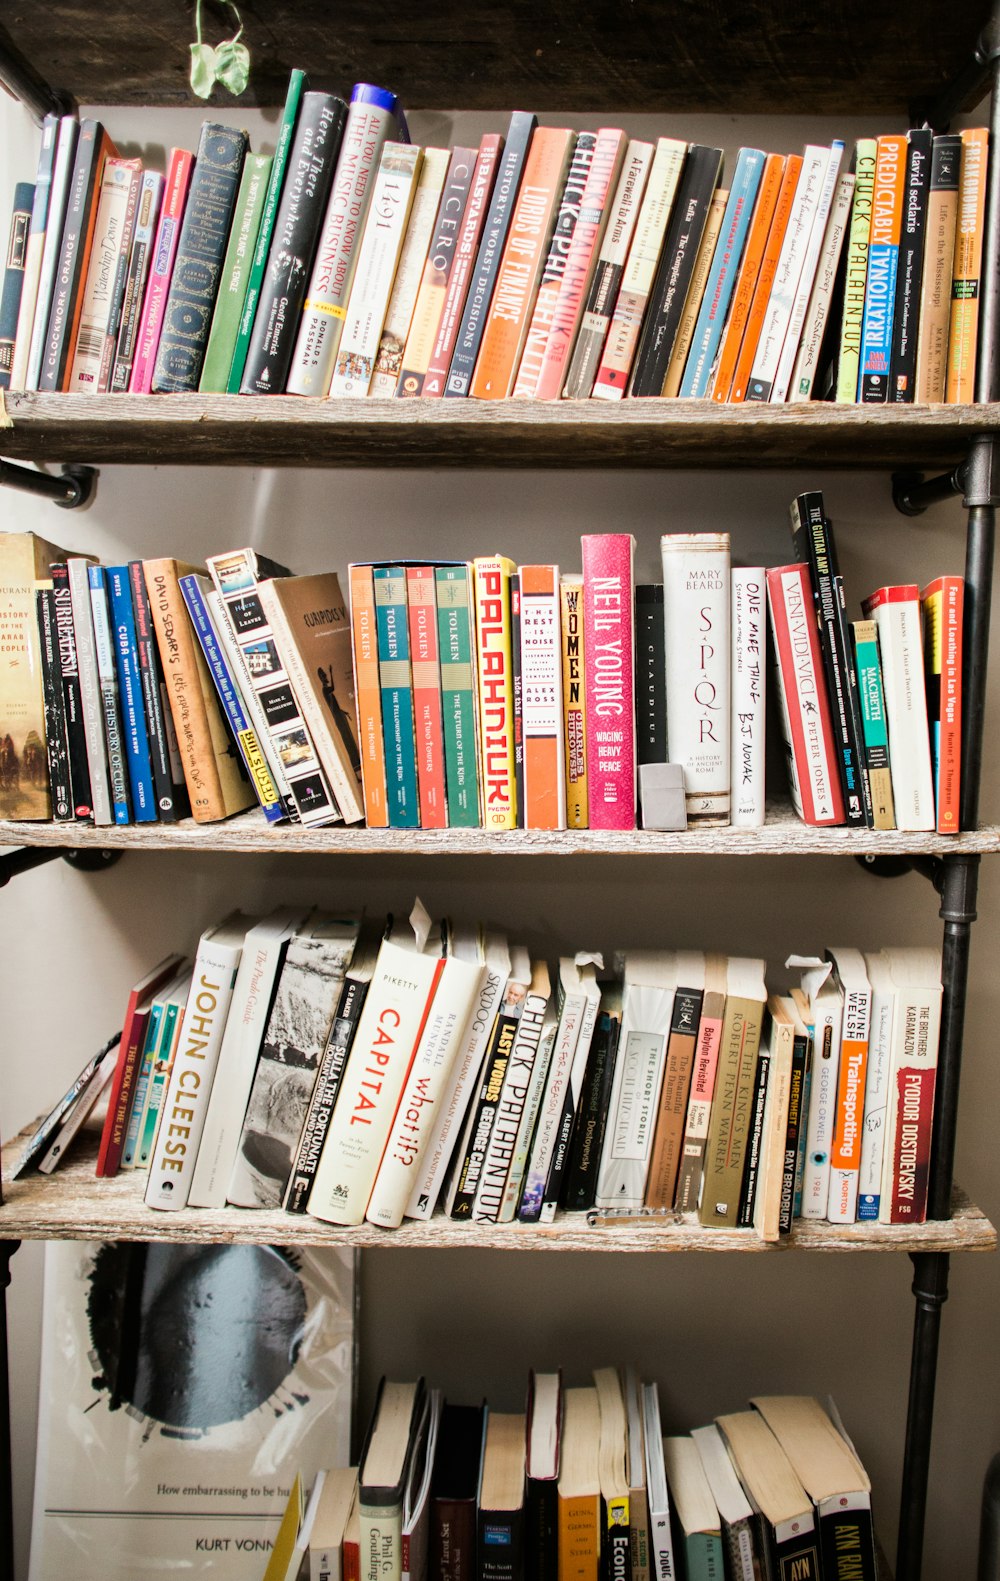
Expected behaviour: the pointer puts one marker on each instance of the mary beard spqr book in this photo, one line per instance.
(608, 596)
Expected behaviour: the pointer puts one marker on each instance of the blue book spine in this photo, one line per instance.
(110, 703)
(13, 279)
(136, 736)
(149, 1052)
(231, 700)
(396, 682)
(722, 276)
(883, 264)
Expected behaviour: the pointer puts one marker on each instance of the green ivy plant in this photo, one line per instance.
(227, 63)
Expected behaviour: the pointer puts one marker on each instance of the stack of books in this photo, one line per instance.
(384, 1072)
(541, 264)
(585, 1483)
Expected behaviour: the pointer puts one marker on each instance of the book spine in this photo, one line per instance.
(963, 332)
(725, 1148)
(90, 690)
(796, 642)
(609, 598)
(371, 122)
(574, 692)
(607, 278)
(939, 257)
(140, 256)
(749, 630)
(856, 270)
(876, 741)
(513, 1190)
(15, 262)
(752, 1163)
(668, 1136)
(581, 261)
(903, 367)
(681, 243)
(906, 1165)
(635, 1096)
(691, 1168)
(34, 248)
(807, 277)
(122, 1095)
(746, 280)
(494, 671)
(650, 676)
(827, 1013)
(696, 591)
(161, 268)
(567, 215)
(722, 279)
(154, 1033)
(149, 679)
(89, 364)
(456, 645)
(483, 279)
(483, 1115)
(92, 148)
(421, 607)
(368, 695)
(579, 1189)
(324, 1094)
(469, 238)
(388, 215)
(896, 612)
(816, 328)
(883, 261)
(513, 1096)
(56, 745)
(876, 1111)
(541, 699)
(765, 278)
(812, 182)
(201, 247)
(396, 682)
(311, 163)
(552, 1106)
(438, 264)
(133, 713)
(252, 702)
(794, 1131)
(62, 175)
(565, 1131)
(943, 623)
(409, 272)
(156, 1088)
(845, 1152)
(69, 673)
(234, 279)
(695, 293)
(108, 684)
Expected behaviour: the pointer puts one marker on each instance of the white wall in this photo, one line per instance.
(712, 1329)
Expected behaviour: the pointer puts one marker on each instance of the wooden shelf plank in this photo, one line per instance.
(616, 55)
(74, 1204)
(283, 430)
(782, 835)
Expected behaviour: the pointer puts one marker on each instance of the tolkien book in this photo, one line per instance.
(396, 683)
(456, 617)
(428, 723)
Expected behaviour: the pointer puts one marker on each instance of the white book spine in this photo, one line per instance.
(807, 276)
(107, 682)
(442, 1043)
(827, 1022)
(241, 679)
(189, 1086)
(696, 578)
(542, 699)
(513, 1097)
(749, 629)
(577, 1072)
(845, 1161)
(551, 1108)
(61, 176)
(815, 164)
(378, 257)
(818, 311)
(912, 1076)
(635, 1094)
(901, 651)
(110, 236)
(409, 272)
(876, 1090)
(451, 1112)
(260, 963)
(33, 254)
(90, 690)
(526, 1129)
(392, 1020)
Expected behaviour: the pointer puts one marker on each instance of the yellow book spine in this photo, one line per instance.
(967, 268)
(496, 690)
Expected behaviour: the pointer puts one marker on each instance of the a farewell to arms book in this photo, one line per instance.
(161, 268)
(201, 246)
(13, 277)
(198, 1472)
(567, 216)
(93, 147)
(390, 1444)
(318, 132)
(500, 1526)
(696, 590)
(235, 273)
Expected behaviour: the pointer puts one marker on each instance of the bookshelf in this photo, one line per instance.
(734, 60)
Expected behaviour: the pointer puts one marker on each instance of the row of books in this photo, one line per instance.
(540, 264)
(585, 1486)
(378, 1073)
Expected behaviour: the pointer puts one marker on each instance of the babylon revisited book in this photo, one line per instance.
(182, 1389)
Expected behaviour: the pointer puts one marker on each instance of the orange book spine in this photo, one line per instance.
(368, 696)
(753, 256)
(579, 1538)
(521, 266)
(541, 699)
(963, 333)
(765, 278)
(421, 606)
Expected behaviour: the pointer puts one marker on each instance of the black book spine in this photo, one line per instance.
(793, 1132)
(76, 739)
(324, 1095)
(319, 132)
(812, 541)
(55, 724)
(675, 268)
(541, 1528)
(650, 675)
(847, 1546)
(910, 267)
(751, 1164)
(494, 1069)
(149, 677)
(517, 687)
(91, 148)
(591, 1116)
(796, 1555)
(477, 302)
(13, 279)
(201, 246)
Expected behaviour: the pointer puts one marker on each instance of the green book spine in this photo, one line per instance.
(157, 1081)
(130, 1151)
(703, 1553)
(296, 87)
(856, 273)
(458, 696)
(235, 274)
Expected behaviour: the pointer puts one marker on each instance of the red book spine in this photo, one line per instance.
(911, 1161)
(428, 726)
(466, 253)
(160, 269)
(609, 673)
(122, 1088)
(807, 707)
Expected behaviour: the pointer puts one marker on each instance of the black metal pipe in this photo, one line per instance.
(930, 1288)
(989, 1525)
(14, 863)
(958, 909)
(7, 1250)
(912, 492)
(970, 82)
(72, 488)
(24, 82)
(979, 552)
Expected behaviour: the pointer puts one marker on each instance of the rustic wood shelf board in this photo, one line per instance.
(283, 430)
(605, 55)
(782, 835)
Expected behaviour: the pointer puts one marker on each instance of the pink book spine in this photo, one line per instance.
(608, 597)
(161, 268)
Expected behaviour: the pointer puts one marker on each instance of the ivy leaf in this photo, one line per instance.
(203, 69)
(232, 65)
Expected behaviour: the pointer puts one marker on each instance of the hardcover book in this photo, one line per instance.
(455, 1485)
(805, 710)
(696, 587)
(609, 664)
(235, 276)
(56, 742)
